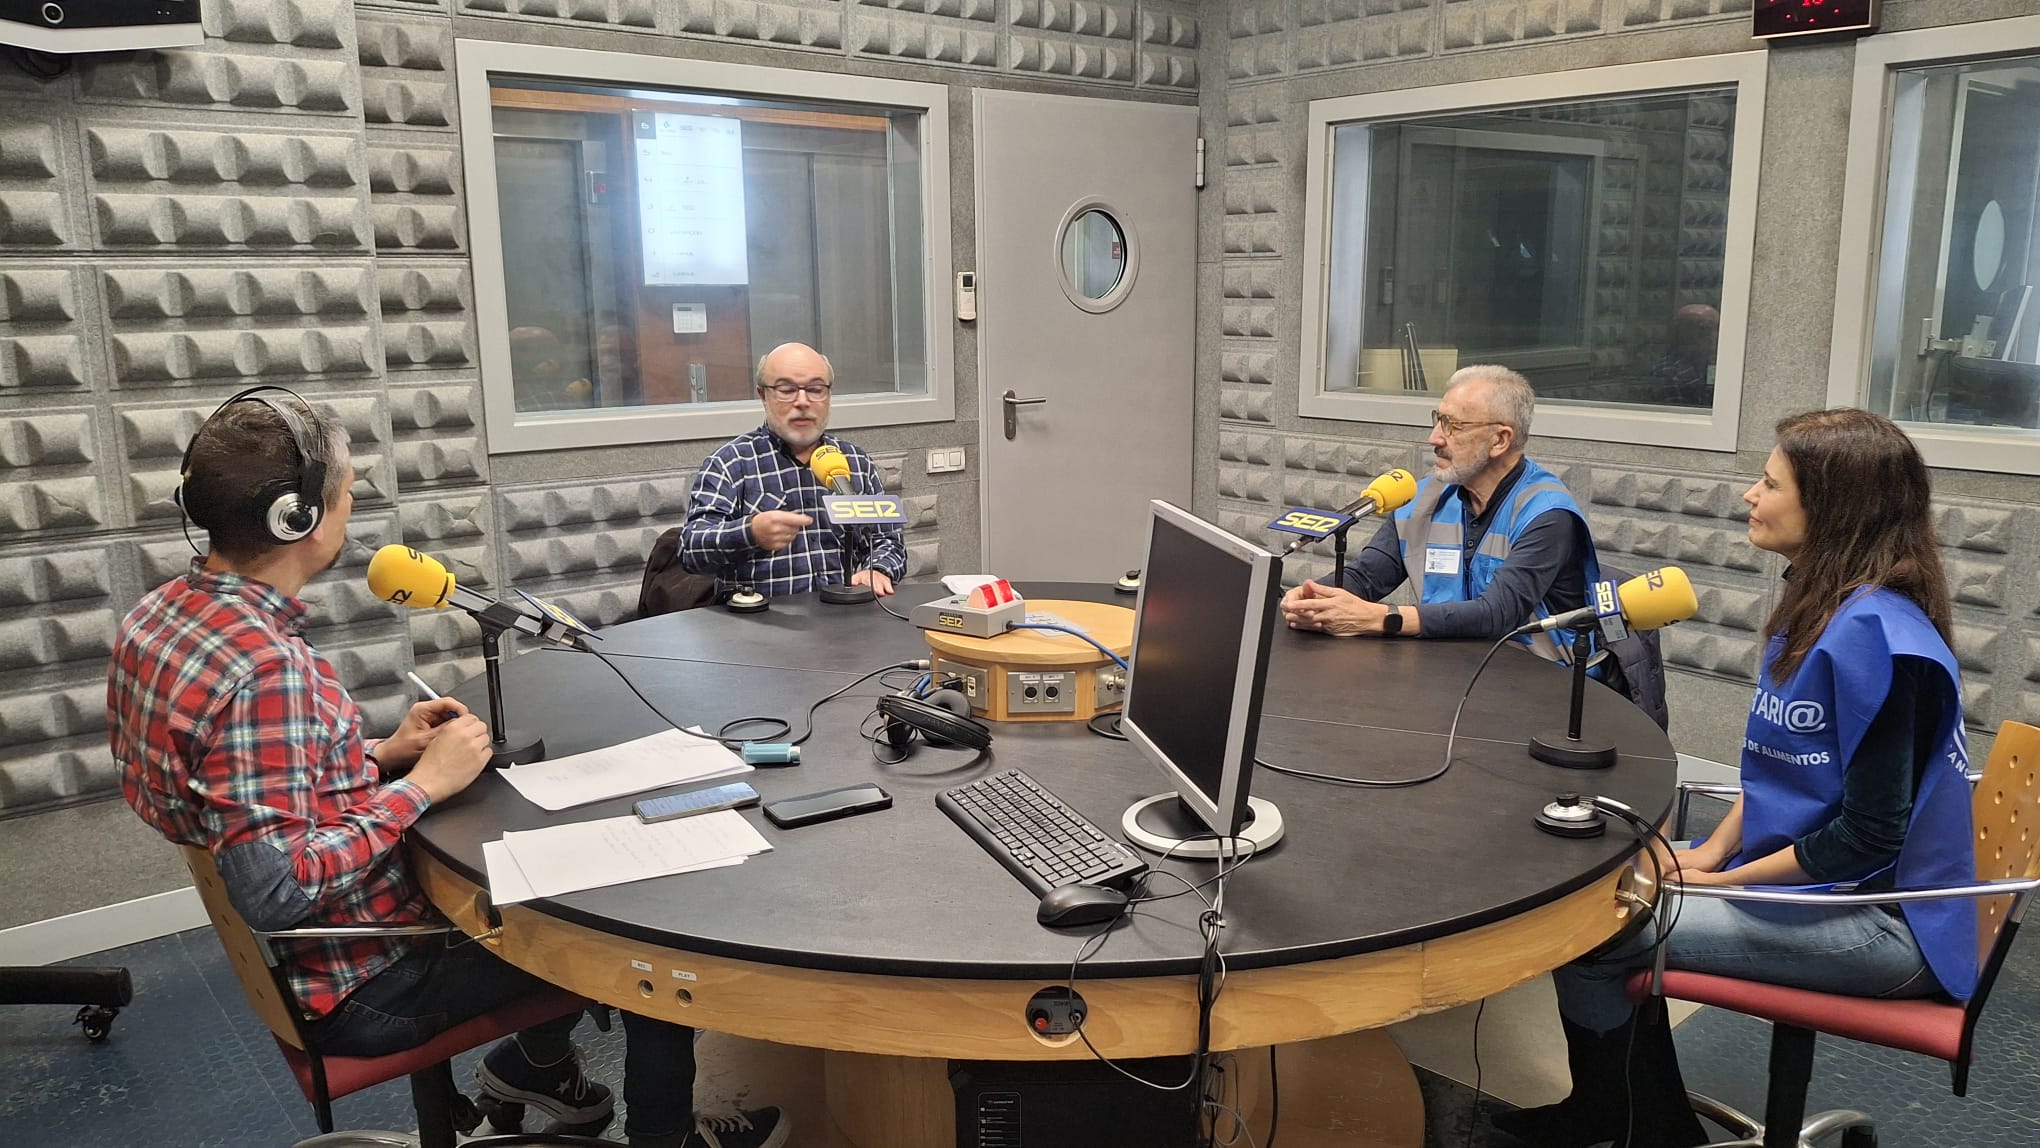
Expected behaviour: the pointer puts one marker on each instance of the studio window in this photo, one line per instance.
(645, 241)
(1592, 237)
(1957, 330)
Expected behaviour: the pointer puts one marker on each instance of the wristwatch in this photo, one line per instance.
(1391, 623)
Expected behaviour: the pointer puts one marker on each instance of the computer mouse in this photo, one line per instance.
(1068, 905)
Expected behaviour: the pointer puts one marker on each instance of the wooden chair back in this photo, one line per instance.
(244, 950)
(2006, 809)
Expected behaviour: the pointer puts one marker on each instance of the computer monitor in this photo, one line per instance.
(1193, 698)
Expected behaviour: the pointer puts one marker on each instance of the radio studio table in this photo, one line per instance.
(892, 940)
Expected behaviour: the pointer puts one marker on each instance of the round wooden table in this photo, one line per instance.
(893, 941)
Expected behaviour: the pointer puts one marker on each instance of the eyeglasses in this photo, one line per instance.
(1454, 426)
(784, 392)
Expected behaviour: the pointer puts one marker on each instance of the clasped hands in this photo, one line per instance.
(1330, 610)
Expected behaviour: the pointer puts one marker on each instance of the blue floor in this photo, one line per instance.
(188, 1065)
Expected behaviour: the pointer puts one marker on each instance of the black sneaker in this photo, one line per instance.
(755, 1128)
(558, 1090)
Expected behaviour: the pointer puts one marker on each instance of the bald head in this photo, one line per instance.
(794, 362)
(797, 417)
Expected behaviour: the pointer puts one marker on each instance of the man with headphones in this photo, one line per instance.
(235, 734)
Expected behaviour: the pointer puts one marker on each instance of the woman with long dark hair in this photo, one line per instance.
(1853, 770)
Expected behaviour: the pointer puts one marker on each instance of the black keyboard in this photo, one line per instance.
(1035, 836)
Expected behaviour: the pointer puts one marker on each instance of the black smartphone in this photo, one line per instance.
(828, 805)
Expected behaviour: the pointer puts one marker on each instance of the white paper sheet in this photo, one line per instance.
(507, 882)
(669, 757)
(509, 886)
(591, 854)
(965, 583)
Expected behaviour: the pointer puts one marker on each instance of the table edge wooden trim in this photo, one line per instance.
(983, 1019)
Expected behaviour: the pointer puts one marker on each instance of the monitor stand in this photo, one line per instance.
(1163, 824)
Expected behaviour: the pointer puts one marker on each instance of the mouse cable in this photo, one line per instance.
(1210, 976)
(1451, 739)
(1146, 899)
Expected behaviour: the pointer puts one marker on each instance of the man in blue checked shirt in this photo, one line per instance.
(755, 517)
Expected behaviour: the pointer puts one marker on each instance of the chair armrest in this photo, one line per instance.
(1881, 897)
(267, 940)
(345, 932)
(1705, 789)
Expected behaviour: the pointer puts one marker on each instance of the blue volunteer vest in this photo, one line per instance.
(1802, 735)
(1432, 531)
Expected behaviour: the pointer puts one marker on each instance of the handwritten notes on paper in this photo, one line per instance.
(592, 854)
(669, 757)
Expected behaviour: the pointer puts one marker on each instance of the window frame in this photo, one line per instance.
(1714, 429)
(1872, 105)
(476, 61)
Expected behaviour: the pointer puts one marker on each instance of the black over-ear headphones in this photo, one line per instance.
(943, 718)
(290, 507)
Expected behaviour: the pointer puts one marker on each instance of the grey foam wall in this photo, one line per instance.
(285, 204)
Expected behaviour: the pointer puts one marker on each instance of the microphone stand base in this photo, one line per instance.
(847, 594)
(1555, 748)
(516, 748)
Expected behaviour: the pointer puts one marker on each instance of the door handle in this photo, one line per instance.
(1013, 404)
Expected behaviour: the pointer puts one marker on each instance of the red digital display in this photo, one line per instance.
(1774, 18)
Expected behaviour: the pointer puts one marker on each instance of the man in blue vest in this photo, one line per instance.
(1495, 538)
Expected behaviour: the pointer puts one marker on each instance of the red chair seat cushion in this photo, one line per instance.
(1928, 1025)
(347, 1074)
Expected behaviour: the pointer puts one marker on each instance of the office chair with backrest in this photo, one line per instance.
(667, 586)
(442, 1110)
(2006, 810)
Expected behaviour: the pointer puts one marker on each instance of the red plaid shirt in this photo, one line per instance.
(230, 729)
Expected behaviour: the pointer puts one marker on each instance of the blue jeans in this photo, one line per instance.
(442, 982)
(1863, 950)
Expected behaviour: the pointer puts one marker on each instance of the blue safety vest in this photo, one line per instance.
(1802, 735)
(1434, 521)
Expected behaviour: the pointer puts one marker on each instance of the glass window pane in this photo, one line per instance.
(1956, 338)
(657, 243)
(1093, 254)
(1580, 243)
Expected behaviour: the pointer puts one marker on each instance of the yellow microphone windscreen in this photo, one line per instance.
(1658, 598)
(1393, 490)
(400, 574)
(829, 463)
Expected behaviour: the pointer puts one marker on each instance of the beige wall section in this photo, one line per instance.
(285, 204)
(1263, 62)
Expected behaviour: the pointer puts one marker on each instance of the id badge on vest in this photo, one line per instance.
(1442, 560)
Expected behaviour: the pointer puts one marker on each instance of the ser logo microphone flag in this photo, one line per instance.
(877, 508)
(1310, 522)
